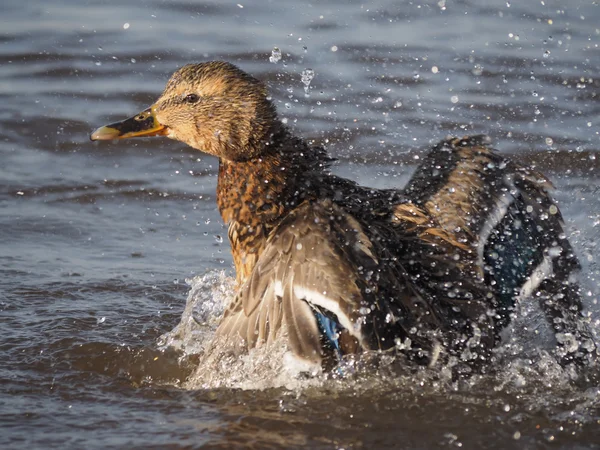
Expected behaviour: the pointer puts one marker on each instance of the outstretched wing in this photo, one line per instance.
(507, 215)
(497, 206)
(315, 264)
(467, 188)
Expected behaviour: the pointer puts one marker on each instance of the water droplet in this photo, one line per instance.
(307, 77)
(126, 25)
(554, 252)
(275, 55)
(517, 435)
(454, 99)
(549, 141)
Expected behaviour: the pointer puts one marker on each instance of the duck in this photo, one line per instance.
(435, 269)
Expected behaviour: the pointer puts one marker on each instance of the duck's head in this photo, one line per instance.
(213, 107)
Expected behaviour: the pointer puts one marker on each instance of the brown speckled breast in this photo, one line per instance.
(252, 197)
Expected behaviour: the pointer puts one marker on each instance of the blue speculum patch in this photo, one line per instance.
(512, 253)
(329, 329)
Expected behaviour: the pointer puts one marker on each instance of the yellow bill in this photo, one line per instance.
(143, 124)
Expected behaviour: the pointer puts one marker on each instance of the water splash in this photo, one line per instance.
(219, 364)
(206, 302)
(307, 77)
(523, 359)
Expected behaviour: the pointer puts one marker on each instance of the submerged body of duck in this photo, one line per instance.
(434, 269)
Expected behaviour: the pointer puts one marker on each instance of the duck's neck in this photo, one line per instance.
(254, 195)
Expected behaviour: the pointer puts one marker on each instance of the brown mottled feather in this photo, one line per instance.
(300, 252)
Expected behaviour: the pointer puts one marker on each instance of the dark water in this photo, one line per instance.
(96, 240)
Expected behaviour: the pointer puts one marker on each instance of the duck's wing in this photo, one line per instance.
(307, 274)
(506, 214)
(336, 286)
(503, 211)
(334, 283)
(442, 269)
(468, 188)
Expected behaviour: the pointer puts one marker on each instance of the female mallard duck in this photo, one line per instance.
(341, 268)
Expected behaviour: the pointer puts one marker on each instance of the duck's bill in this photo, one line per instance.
(143, 124)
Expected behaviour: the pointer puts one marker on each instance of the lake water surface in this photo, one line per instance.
(97, 240)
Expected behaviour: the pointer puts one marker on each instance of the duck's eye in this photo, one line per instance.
(191, 98)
